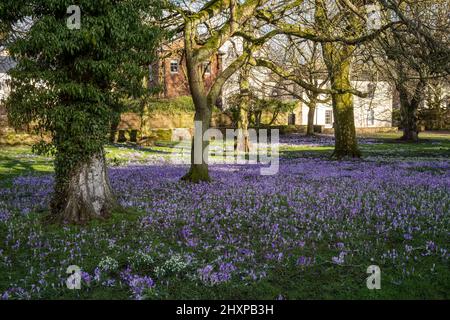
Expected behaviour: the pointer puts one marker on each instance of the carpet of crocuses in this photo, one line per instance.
(310, 231)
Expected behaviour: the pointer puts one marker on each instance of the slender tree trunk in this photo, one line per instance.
(244, 86)
(199, 169)
(199, 165)
(85, 194)
(311, 113)
(243, 125)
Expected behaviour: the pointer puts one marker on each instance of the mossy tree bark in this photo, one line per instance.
(338, 59)
(346, 144)
(84, 194)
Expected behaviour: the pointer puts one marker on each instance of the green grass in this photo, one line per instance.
(386, 145)
(19, 160)
(324, 280)
(431, 145)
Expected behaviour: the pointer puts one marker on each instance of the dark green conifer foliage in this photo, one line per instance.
(68, 83)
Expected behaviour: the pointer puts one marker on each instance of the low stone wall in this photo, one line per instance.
(153, 126)
(13, 138)
(3, 117)
(9, 136)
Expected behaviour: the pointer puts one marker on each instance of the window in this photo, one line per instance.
(328, 116)
(276, 92)
(291, 119)
(174, 66)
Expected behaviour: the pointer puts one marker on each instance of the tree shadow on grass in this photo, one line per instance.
(13, 167)
(392, 148)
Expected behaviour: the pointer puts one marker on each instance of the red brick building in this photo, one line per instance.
(169, 73)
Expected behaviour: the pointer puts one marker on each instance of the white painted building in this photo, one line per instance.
(6, 63)
(374, 111)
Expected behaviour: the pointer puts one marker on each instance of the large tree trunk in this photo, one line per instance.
(197, 173)
(338, 59)
(346, 144)
(311, 114)
(409, 111)
(85, 194)
(409, 122)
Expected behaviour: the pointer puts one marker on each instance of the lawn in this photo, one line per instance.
(311, 231)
